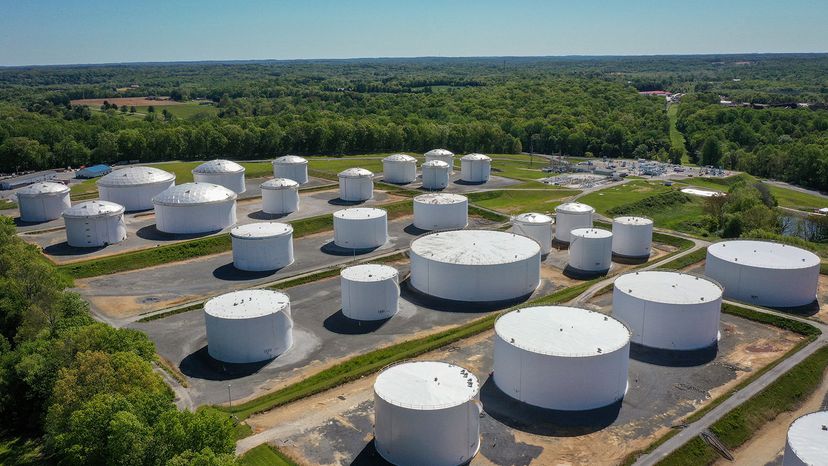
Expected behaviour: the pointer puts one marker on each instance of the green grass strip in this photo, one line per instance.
(686, 260)
(265, 455)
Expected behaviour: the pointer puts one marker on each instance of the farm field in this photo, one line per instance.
(517, 201)
(626, 193)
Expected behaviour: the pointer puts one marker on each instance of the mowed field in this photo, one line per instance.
(128, 101)
(183, 110)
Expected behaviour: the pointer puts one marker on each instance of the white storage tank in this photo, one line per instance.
(399, 169)
(426, 413)
(764, 273)
(248, 326)
(223, 173)
(590, 250)
(134, 187)
(807, 443)
(475, 168)
(356, 185)
(668, 310)
(370, 291)
(360, 228)
(443, 155)
(262, 246)
(44, 201)
(291, 167)
(475, 265)
(570, 216)
(435, 174)
(536, 226)
(561, 358)
(441, 211)
(632, 237)
(192, 208)
(280, 196)
(94, 224)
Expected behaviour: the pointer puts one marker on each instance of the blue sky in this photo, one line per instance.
(93, 31)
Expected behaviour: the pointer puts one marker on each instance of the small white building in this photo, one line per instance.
(535, 226)
(435, 174)
(356, 185)
(94, 224)
(370, 292)
(262, 246)
(443, 155)
(399, 169)
(43, 201)
(590, 250)
(360, 228)
(291, 167)
(441, 211)
(570, 216)
(134, 187)
(223, 173)
(475, 168)
(280, 196)
(193, 208)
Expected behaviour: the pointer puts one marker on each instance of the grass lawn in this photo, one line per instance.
(626, 193)
(676, 138)
(265, 455)
(7, 204)
(515, 202)
(184, 111)
(797, 199)
(517, 166)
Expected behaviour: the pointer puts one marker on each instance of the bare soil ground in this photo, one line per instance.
(129, 101)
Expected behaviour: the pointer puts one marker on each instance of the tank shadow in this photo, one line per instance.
(673, 358)
(469, 183)
(416, 297)
(19, 222)
(629, 260)
(334, 250)
(805, 311)
(559, 245)
(421, 188)
(414, 231)
(63, 249)
(369, 456)
(262, 215)
(229, 272)
(152, 233)
(200, 365)
(342, 202)
(339, 323)
(578, 274)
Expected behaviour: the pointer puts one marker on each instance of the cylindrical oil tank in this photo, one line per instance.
(561, 358)
(590, 250)
(94, 224)
(360, 228)
(262, 246)
(443, 155)
(356, 185)
(475, 265)
(570, 216)
(370, 291)
(280, 196)
(291, 167)
(475, 168)
(435, 174)
(41, 202)
(248, 326)
(668, 310)
(426, 413)
(134, 187)
(223, 173)
(441, 211)
(536, 226)
(192, 208)
(764, 273)
(399, 169)
(632, 236)
(807, 443)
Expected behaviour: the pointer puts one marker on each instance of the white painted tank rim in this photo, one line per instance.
(533, 218)
(400, 158)
(440, 198)
(819, 444)
(111, 210)
(360, 213)
(369, 273)
(574, 208)
(258, 231)
(455, 393)
(207, 168)
(159, 199)
(290, 160)
(627, 220)
(807, 258)
(249, 304)
(590, 233)
(30, 191)
(427, 246)
(356, 172)
(279, 184)
(436, 164)
(655, 292)
(163, 177)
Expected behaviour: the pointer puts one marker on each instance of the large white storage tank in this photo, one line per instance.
(356, 185)
(426, 413)
(435, 174)
(632, 237)
(41, 202)
(360, 228)
(291, 167)
(668, 310)
(475, 168)
(134, 187)
(94, 224)
(570, 216)
(561, 358)
(192, 208)
(443, 155)
(280, 196)
(248, 326)
(536, 226)
(223, 173)
(262, 246)
(807, 443)
(590, 250)
(441, 211)
(370, 291)
(399, 169)
(764, 273)
(475, 265)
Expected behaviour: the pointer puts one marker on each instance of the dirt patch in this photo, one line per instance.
(129, 306)
(128, 101)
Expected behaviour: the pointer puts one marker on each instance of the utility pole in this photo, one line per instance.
(229, 400)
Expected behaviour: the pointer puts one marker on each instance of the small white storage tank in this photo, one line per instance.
(280, 196)
(399, 169)
(764, 273)
(807, 443)
(441, 211)
(426, 413)
(562, 358)
(443, 155)
(536, 226)
(475, 168)
(360, 228)
(356, 185)
(262, 246)
(223, 173)
(632, 236)
(191, 208)
(475, 265)
(248, 326)
(570, 216)
(44, 201)
(134, 187)
(370, 291)
(94, 224)
(667, 309)
(435, 174)
(590, 250)
(291, 167)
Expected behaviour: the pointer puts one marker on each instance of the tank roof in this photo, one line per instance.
(135, 176)
(440, 152)
(279, 183)
(475, 157)
(574, 208)
(290, 159)
(475, 247)
(193, 194)
(399, 158)
(94, 209)
(632, 220)
(426, 385)
(440, 198)
(261, 230)
(436, 163)
(218, 166)
(247, 304)
(44, 188)
(533, 217)
(369, 273)
(763, 254)
(356, 172)
(356, 213)
(591, 233)
(664, 286)
(808, 438)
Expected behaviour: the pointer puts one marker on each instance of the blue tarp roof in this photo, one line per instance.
(98, 168)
